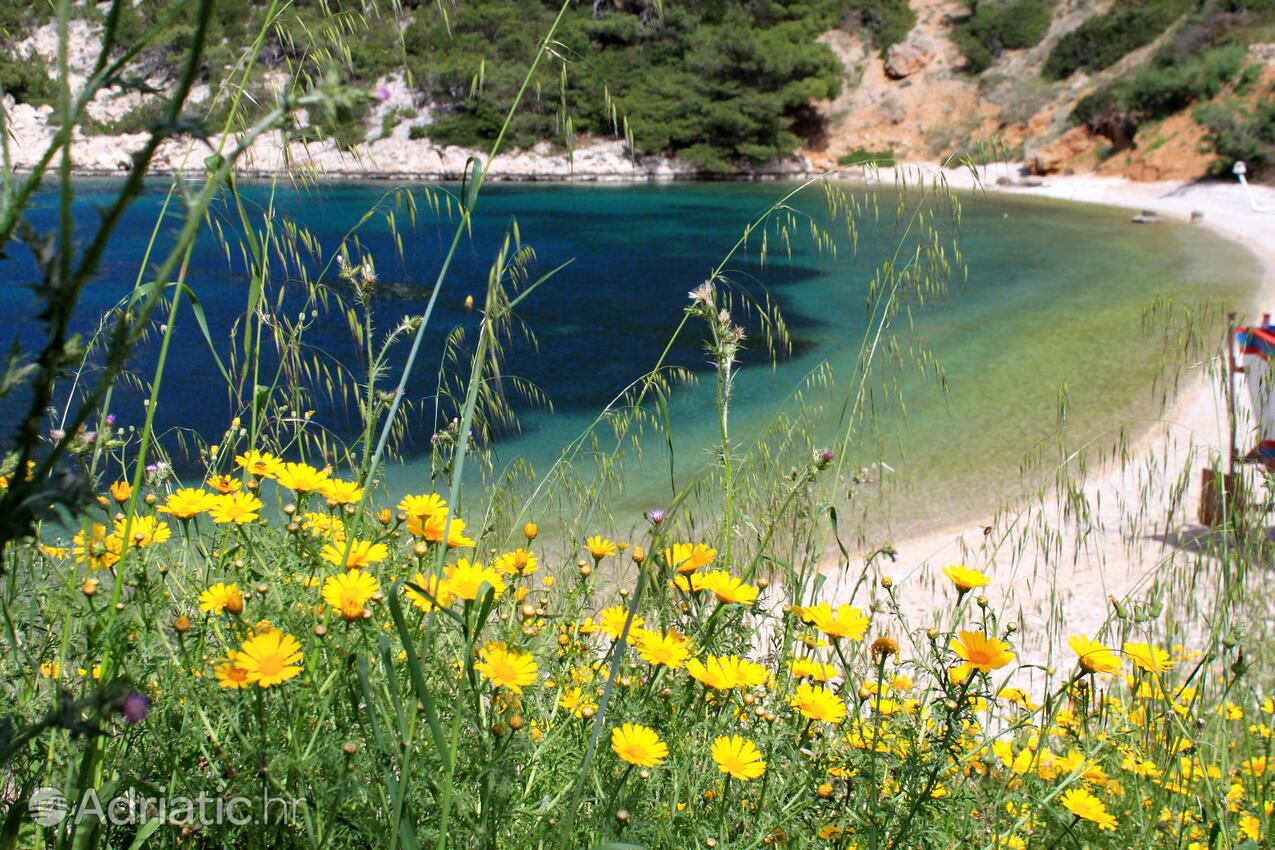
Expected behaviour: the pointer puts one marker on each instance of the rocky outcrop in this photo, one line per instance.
(909, 56)
(1060, 155)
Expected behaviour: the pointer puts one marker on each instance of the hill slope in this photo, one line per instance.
(1151, 89)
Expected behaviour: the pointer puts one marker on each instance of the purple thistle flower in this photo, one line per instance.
(383, 92)
(655, 515)
(110, 420)
(136, 707)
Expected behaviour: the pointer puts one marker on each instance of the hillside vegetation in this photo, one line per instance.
(727, 85)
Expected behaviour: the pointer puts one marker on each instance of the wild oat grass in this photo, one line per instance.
(281, 652)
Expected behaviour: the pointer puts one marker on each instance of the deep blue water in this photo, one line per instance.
(1053, 297)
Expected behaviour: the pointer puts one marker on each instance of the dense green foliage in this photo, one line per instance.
(889, 21)
(1103, 40)
(26, 78)
(719, 84)
(1240, 133)
(1206, 55)
(1169, 83)
(997, 25)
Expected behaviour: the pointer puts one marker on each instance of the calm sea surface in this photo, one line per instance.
(1052, 304)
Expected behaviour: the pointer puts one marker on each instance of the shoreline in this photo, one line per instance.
(1077, 573)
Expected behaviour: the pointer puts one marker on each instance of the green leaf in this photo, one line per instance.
(147, 830)
(418, 680)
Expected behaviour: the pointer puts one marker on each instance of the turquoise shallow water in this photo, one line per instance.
(1053, 299)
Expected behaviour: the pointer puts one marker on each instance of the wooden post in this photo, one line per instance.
(1219, 498)
(1230, 393)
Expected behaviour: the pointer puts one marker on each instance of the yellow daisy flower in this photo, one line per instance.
(638, 745)
(187, 503)
(221, 598)
(301, 478)
(361, 553)
(511, 670)
(349, 592)
(689, 557)
(269, 658)
(966, 579)
(260, 464)
(238, 508)
(738, 757)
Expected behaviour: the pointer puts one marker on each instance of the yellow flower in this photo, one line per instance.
(120, 491)
(324, 525)
(507, 669)
(301, 477)
(338, 492)
(423, 507)
(638, 745)
(670, 649)
(599, 547)
(611, 621)
(722, 673)
(738, 757)
(1148, 658)
(979, 652)
(224, 484)
(576, 701)
(260, 464)
(98, 550)
(816, 702)
(50, 669)
(229, 675)
(809, 668)
(965, 578)
(239, 508)
(1082, 804)
(687, 557)
(530, 530)
(727, 588)
(349, 591)
(844, 622)
(430, 529)
(1093, 656)
(1019, 764)
(438, 590)
(187, 503)
(143, 531)
(466, 580)
(361, 554)
(689, 583)
(519, 562)
(269, 658)
(222, 597)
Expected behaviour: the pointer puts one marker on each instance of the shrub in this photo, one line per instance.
(993, 27)
(859, 156)
(889, 21)
(27, 79)
(1168, 84)
(1103, 40)
(1241, 134)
